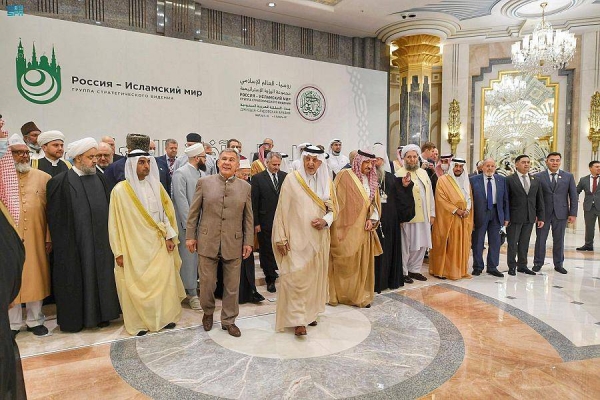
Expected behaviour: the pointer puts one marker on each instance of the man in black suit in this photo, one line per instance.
(590, 185)
(526, 200)
(560, 206)
(163, 168)
(490, 213)
(265, 195)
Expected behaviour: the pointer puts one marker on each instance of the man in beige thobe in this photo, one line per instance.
(354, 242)
(33, 230)
(306, 209)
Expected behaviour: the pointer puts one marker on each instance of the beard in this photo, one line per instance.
(202, 166)
(22, 168)
(411, 168)
(88, 170)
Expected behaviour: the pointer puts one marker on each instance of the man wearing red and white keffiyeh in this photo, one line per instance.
(9, 183)
(362, 156)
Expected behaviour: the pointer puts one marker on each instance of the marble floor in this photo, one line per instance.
(486, 337)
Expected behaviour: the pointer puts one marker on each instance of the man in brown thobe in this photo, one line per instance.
(33, 229)
(452, 229)
(354, 242)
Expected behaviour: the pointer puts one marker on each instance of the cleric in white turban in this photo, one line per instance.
(52, 143)
(77, 209)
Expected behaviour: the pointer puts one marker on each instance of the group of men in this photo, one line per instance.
(136, 235)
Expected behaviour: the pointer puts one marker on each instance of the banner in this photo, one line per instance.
(87, 80)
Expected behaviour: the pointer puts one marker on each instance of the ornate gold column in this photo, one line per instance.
(594, 119)
(415, 57)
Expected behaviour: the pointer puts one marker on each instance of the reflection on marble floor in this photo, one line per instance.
(399, 343)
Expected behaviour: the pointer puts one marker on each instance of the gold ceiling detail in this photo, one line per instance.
(416, 49)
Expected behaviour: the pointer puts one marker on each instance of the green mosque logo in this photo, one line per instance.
(310, 103)
(38, 82)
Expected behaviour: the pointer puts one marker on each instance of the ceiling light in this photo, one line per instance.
(545, 50)
(271, 4)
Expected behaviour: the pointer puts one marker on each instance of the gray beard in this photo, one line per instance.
(380, 173)
(411, 168)
(88, 170)
(22, 168)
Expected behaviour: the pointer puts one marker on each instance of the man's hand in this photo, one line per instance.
(170, 245)
(431, 220)
(571, 219)
(506, 223)
(191, 245)
(119, 261)
(246, 251)
(48, 247)
(257, 229)
(370, 225)
(406, 180)
(540, 224)
(318, 223)
(283, 249)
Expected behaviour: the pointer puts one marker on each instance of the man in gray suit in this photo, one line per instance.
(590, 185)
(184, 186)
(560, 206)
(220, 227)
(526, 201)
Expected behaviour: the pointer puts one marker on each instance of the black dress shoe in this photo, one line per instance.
(408, 279)
(441, 277)
(418, 277)
(257, 297)
(495, 272)
(141, 333)
(39, 330)
(271, 288)
(476, 272)
(536, 268)
(512, 271)
(170, 325)
(525, 270)
(15, 333)
(103, 324)
(585, 248)
(560, 270)
(314, 323)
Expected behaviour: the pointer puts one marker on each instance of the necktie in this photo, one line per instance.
(553, 181)
(171, 164)
(525, 184)
(275, 182)
(490, 194)
(595, 185)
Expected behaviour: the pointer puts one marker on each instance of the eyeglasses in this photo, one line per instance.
(21, 153)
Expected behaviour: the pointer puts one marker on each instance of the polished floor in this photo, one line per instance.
(524, 337)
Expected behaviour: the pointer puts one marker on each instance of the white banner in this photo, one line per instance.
(87, 80)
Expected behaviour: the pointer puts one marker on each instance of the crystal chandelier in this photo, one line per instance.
(509, 90)
(545, 50)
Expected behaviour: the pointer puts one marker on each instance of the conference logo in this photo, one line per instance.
(310, 103)
(38, 81)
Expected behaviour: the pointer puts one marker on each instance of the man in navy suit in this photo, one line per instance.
(560, 207)
(526, 208)
(491, 213)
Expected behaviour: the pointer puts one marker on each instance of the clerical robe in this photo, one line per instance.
(302, 291)
(33, 229)
(353, 249)
(149, 285)
(451, 236)
(256, 167)
(12, 255)
(83, 278)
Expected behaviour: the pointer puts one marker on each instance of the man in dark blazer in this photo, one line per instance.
(491, 213)
(590, 185)
(526, 200)
(265, 195)
(560, 206)
(220, 228)
(163, 172)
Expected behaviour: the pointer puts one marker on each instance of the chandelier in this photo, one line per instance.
(509, 90)
(545, 50)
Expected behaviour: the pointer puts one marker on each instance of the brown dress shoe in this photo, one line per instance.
(314, 323)
(207, 322)
(300, 331)
(232, 329)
